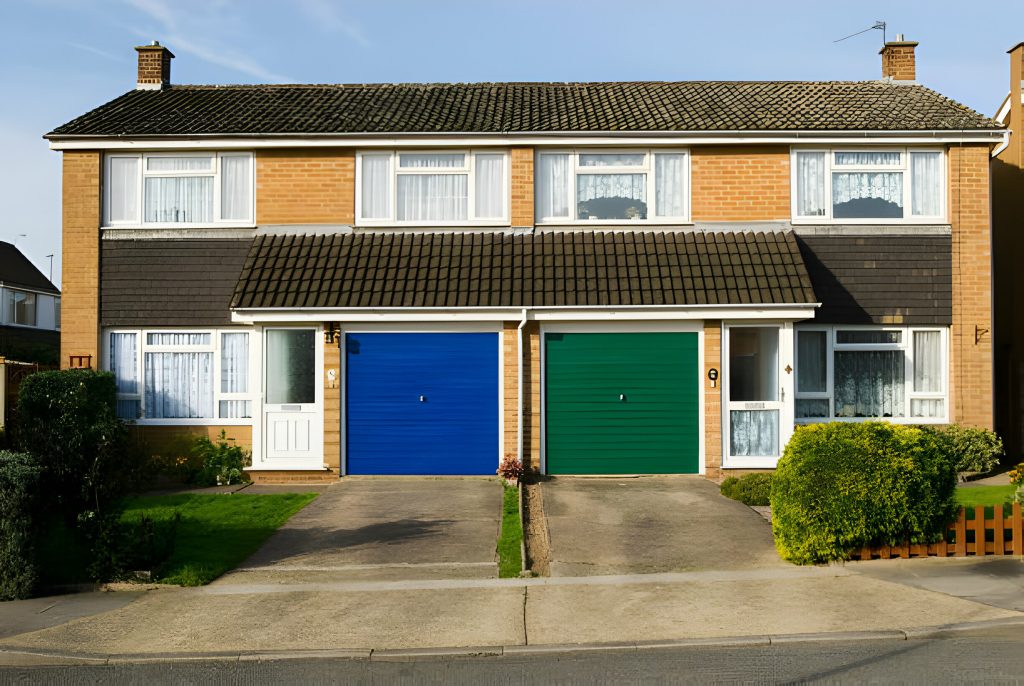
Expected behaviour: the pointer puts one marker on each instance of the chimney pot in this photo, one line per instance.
(898, 62)
(154, 66)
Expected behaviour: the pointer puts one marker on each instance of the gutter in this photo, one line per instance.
(519, 420)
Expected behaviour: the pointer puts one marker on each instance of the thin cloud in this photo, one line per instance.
(96, 51)
(179, 38)
(327, 16)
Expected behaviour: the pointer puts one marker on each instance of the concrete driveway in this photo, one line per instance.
(651, 524)
(384, 529)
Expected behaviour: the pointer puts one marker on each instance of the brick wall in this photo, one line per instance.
(521, 162)
(332, 406)
(712, 399)
(170, 441)
(969, 213)
(80, 192)
(738, 183)
(898, 61)
(314, 186)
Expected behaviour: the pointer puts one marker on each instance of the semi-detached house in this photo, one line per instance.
(642, 277)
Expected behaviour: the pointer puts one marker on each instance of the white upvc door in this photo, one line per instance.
(757, 393)
(292, 398)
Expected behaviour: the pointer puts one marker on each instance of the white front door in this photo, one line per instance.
(758, 390)
(291, 405)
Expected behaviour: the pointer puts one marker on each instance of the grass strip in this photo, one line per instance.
(510, 558)
(217, 532)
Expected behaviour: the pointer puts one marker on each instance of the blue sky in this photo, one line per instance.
(60, 58)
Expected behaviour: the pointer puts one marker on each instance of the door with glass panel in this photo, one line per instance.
(757, 389)
(291, 414)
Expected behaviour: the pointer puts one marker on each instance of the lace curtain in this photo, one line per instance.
(179, 199)
(553, 186)
(124, 189)
(235, 188)
(926, 188)
(669, 179)
(179, 385)
(489, 183)
(869, 383)
(810, 184)
(375, 200)
(754, 433)
(432, 197)
(123, 363)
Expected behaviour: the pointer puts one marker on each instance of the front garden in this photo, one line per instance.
(66, 516)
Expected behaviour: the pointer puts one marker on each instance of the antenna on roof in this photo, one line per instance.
(879, 26)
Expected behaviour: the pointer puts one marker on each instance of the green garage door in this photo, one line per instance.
(621, 403)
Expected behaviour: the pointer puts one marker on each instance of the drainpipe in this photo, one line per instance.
(519, 422)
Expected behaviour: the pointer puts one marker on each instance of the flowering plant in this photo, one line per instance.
(511, 470)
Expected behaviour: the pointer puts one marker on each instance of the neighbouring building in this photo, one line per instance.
(1008, 245)
(643, 277)
(29, 310)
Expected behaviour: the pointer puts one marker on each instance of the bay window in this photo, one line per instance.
(181, 376)
(432, 188)
(869, 186)
(847, 373)
(179, 189)
(612, 186)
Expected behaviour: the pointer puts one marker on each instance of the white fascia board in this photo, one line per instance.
(794, 312)
(567, 138)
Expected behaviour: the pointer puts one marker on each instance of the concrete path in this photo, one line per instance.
(651, 524)
(504, 612)
(995, 581)
(392, 528)
(21, 616)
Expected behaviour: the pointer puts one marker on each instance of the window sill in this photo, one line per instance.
(502, 223)
(615, 222)
(823, 221)
(891, 420)
(189, 422)
(165, 227)
(750, 463)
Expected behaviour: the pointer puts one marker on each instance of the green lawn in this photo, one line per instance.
(510, 557)
(985, 495)
(217, 532)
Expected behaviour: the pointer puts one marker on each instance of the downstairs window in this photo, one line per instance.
(847, 373)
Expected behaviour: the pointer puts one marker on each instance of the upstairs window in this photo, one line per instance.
(432, 188)
(869, 186)
(612, 187)
(179, 189)
(21, 307)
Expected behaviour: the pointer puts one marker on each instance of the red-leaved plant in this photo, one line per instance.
(511, 470)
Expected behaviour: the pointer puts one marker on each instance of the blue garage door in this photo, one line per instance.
(422, 403)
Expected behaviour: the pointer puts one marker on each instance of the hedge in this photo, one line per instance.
(19, 524)
(841, 486)
(67, 421)
(749, 489)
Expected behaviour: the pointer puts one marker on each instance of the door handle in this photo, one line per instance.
(423, 398)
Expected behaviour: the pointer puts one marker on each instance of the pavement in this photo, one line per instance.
(386, 528)
(400, 567)
(651, 524)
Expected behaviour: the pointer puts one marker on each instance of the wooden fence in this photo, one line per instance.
(1002, 534)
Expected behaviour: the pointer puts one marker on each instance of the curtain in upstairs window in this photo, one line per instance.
(375, 194)
(179, 199)
(670, 179)
(235, 188)
(810, 184)
(433, 197)
(123, 189)
(926, 184)
(490, 186)
(553, 187)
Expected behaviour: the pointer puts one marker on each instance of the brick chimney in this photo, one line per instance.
(154, 66)
(898, 60)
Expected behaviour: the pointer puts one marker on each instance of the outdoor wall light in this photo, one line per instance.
(713, 377)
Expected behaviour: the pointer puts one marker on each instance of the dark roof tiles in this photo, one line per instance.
(497, 269)
(498, 108)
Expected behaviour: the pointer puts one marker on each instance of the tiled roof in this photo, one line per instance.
(498, 108)
(18, 270)
(498, 269)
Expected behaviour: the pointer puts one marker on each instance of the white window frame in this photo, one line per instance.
(142, 347)
(139, 220)
(785, 405)
(909, 394)
(9, 310)
(903, 167)
(648, 168)
(469, 168)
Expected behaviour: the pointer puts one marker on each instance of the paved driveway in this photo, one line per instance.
(385, 529)
(651, 524)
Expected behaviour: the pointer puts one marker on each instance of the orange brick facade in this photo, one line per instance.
(971, 334)
(728, 184)
(898, 61)
(732, 183)
(80, 275)
(315, 186)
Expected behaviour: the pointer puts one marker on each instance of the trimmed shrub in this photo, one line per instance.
(19, 524)
(222, 462)
(970, 448)
(749, 489)
(841, 486)
(121, 546)
(66, 420)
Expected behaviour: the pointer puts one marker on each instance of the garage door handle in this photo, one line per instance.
(423, 398)
(622, 397)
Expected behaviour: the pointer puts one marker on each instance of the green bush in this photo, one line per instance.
(970, 448)
(841, 486)
(223, 463)
(121, 545)
(19, 524)
(66, 420)
(750, 489)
